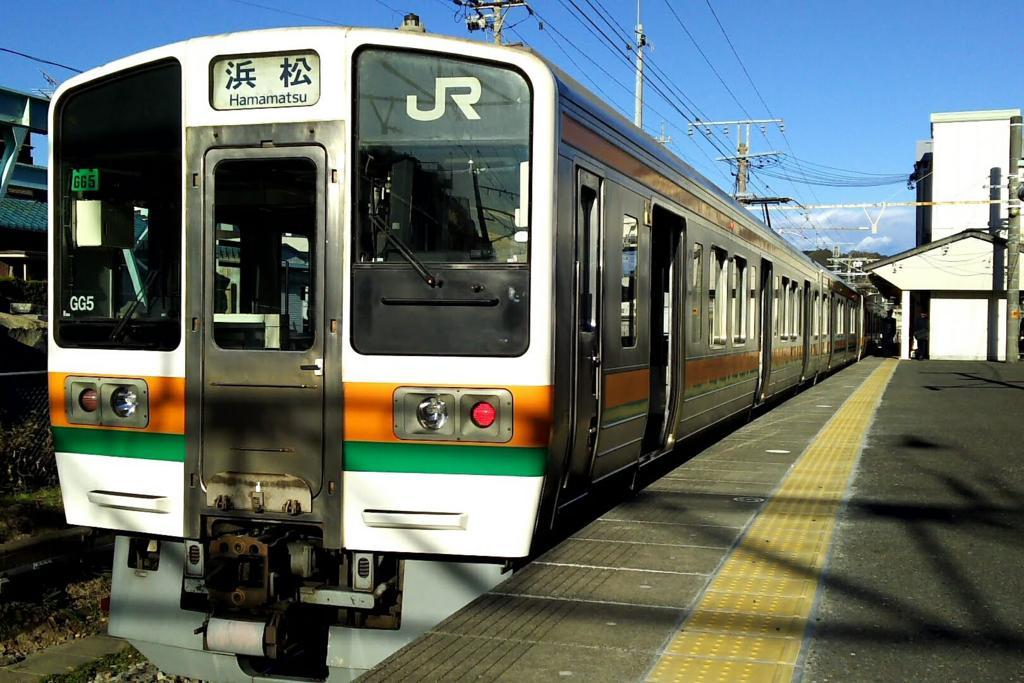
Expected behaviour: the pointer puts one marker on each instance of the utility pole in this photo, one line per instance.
(490, 16)
(743, 155)
(664, 138)
(641, 41)
(1013, 246)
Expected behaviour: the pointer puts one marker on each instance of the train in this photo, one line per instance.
(344, 321)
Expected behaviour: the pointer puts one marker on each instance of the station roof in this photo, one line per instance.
(22, 214)
(959, 262)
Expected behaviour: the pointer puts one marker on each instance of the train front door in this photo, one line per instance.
(263, 328)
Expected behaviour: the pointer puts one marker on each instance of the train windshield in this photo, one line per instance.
(442, 165)
(117, 199)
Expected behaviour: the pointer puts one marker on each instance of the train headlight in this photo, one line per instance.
(432, 413)
(124, 401)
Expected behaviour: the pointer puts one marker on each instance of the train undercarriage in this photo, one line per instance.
(258, 601)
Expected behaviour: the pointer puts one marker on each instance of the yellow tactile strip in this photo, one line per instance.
(749, 624)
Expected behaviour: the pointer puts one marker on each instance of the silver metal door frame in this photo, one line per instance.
(241, 364)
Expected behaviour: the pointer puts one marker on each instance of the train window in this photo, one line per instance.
(587, 256)
(798, 311)
(815, 318)
(119, 286)
(752, 310)
(449, 180)
(696, 292)
(737, 300)
(782, 292)
(718, 289)
(628, 306)
(265, 212)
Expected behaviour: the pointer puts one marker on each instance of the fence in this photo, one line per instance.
(26, 443)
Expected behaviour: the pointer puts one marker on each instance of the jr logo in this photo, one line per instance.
(463, 100)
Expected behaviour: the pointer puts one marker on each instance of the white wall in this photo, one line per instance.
(966, 327)
(964, 154)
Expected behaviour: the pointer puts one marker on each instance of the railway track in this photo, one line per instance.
(35, 557)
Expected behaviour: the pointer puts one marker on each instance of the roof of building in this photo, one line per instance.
(22, 214)
(928, 246)
(983, 115)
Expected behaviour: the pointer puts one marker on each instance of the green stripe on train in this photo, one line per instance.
(121, 444)
(420, 458)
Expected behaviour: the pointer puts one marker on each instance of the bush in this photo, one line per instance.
(31, 291)
(26, 456)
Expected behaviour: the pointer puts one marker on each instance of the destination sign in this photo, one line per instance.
(263, 81)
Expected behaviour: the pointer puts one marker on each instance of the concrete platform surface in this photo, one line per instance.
(926, 580)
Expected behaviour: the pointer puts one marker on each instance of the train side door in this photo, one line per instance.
(586, 400)
(263, 328)
(625, 372)
(767, 327)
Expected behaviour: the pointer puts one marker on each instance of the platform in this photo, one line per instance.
(866, 529)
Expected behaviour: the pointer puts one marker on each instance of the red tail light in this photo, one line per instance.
(483, 414)
(89, 400)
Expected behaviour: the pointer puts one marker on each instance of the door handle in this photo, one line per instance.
(596, 360)
(316, 366)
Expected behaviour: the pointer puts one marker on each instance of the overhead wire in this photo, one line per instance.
(549, 25)
(40, 59)
(764, 103)
(664, 78)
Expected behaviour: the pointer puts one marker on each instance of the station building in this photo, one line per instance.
(952, 285)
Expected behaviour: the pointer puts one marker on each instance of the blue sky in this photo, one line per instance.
(855, 82)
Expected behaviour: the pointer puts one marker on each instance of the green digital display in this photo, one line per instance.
(85, 179)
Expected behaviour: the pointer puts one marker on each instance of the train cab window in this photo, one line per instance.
(116, 195)
(737, 303)
(718, 289)
(752, 308)
(450, 182)
(630, 235)
(696, 292)
(441, 206)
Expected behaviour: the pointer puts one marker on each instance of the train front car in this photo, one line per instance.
(301, 347)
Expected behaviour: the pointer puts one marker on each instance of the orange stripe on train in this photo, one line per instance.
(630, 386)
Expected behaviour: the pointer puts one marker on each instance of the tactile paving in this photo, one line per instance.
(750, 621)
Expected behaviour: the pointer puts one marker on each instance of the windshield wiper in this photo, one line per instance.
(122, 323)
(378, 224)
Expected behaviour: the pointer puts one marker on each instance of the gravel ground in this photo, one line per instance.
(32, 620)
(127, 666)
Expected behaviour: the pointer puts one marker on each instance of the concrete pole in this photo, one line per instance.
(742, 149)
(1013, 246)
(499, 21)
(641, 40)
(906, 326)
